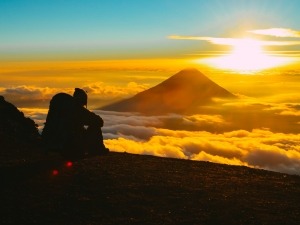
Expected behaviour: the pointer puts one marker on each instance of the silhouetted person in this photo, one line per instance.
(72, 129)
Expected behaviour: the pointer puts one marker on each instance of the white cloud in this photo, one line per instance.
(279, 151)
(234, 41)
(241, 147)
(277, 32)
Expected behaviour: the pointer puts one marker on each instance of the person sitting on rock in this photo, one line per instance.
(71, 128)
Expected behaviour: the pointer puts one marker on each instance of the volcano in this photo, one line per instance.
(182, 93)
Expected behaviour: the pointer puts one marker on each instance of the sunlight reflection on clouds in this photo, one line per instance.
(208, 137)
(259, 148)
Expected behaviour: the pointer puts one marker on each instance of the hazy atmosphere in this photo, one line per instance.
(117, 49)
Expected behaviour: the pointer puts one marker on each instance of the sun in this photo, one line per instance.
(247, 55)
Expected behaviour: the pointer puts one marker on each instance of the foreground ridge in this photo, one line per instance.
(122, 188)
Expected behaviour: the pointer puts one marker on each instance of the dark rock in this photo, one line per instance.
(16, 130)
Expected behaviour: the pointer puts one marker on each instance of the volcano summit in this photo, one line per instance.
(182, 93)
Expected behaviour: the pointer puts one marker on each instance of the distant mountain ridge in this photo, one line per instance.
(181, 93)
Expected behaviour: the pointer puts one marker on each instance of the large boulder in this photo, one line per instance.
(17, 132)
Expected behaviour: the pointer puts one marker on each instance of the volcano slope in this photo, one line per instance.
(122, 188)
(182, 93)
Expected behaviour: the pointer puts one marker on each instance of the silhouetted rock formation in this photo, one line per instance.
(16, 131)
(181, 93)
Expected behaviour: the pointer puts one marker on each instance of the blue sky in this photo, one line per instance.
(130, 28)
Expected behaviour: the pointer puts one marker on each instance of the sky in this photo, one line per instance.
(117, 29)
(116, 48)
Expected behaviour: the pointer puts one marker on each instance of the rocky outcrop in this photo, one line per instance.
(16, 130)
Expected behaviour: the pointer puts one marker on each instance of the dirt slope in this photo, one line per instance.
(122, 188)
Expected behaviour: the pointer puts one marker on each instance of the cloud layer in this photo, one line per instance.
(274, 32)
(156, 135)
(257, 148)
(30, 95)
(206, 137)
(252, 132)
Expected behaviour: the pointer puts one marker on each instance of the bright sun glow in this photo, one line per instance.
(247, 55)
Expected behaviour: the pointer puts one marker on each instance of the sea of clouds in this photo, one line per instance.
(260, 133)
(200, 137)
(154, 135)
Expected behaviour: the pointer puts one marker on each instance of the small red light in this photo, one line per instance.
(69, 164)
(54, 172)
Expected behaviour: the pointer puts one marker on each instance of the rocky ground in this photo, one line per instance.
(122, 188)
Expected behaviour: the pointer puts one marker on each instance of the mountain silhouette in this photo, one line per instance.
(182, 93)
